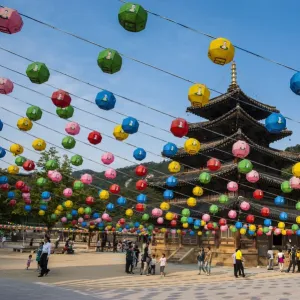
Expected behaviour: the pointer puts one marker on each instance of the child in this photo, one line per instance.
(280, 256)
(39, 254)
(29, 261)
(153, 263)
(98, 246)
(163, 262)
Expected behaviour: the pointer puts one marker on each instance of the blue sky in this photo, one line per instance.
(257, 25)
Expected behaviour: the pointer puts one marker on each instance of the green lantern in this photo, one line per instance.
(223, 199)
(150, 227)
(133, 17)
(186, 212)
(183, 219)
(196, 227)
(19, 161)
(43, 202)
(64, 205)
(286, 187)
(66, 112)
(205, 177)
(245, 166)
(298, 205)
(53, 217)
(41, 181)
(145, 217)
(87, 210)
(38, 72)
(207, 232)
(69, 217)
(34, 113)
(68, 142)
(266, 229)
(78, 185)
(295, 227)
(110, 61)
(76, 160)
(51, 165)
(213, 209)
(233, 229)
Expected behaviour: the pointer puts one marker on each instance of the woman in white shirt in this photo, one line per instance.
(162, 262)
(45, 256)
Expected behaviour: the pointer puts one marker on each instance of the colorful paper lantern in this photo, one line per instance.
(119, 133)
(104, 195)
(140, 207)
(204, 178)
(197, 191)
(265, 211)
(213, 164)
(258, 194)
(51, 165)
(232, 214)
(295, 183)
(191, 201)
(66, 112)
(164, 206)
(16, 149)
(129, 212)
(34, 113)
(275, 122)
(67, 192)
(141, 185)
(78, 185)
(252, 176)
(130, 125)
(286, 187)
(68, 142)
(61, 99)
(86, 178)
(110, 173)
(170, 150)
(10, 20)
(38, 72)
(13, 169)
(109, 61)
(213, 209)
(29, 165)
(174, 167)
(232, 186)
(2, 152)
(6, 85)
(19, 161)
(245, 205)
(179, 127)
(250, 219)
(156, 212)
(245, 166)
(295, 83)
(105, 100)
(192, 146)
(283, 216)
(240, 149)
(279, 201)
(39, 145)
(141, 170)
(121, 201)
(95, 137)
(221, 51)
(198, 95)
(223, 199)
(114, 189)
(171, 181)
(76, 160)
(107, 158)
(72, 128)
(139, 153)
(24, 124)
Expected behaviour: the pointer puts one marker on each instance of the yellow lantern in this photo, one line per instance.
(283, 232)
(296, 169)
(68, 204)
(80, 210)
(16, 149)
(191, 201)
(164, 206)
(92, 226)
(221, 51)
(169, 216)
(104, 195)
(185, 225)
(129, 212)
(39, 145)
(119, 133)
(203, 223)
(174, 167)
(298, 220)
(198, 95)
(281, 225)
(13, 169)
(108, 227)
(163, 230)
(252, 227)
(243, 231)
(41, 212)
(192, 146)
(141, 226)
(198, 191)
(24, 124)
(178, 231)
(60, 207)
(57, 212)
(199, 233)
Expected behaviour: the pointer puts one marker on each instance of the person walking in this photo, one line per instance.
(38, 256)
(270, 256)
(153, 264)
(98, 246)
(234, 264)
(46, 251)
(207, 260)
(239, 261)
(163, 263)
(137, 254)
(200, 259)
(3, 240)
(129, 260)
(280, 257)
(292, 256)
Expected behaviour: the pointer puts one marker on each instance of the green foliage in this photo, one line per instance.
(287, 172)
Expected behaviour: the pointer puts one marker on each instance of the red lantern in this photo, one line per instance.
(173, 223)
(86, 217)
(115, 189)
(140, 207)
(27, 201)
(250, 219)
(89, 200)
(222, 222)
(210, 226)
(10, 20)
(4, 187)
(122, 221)
(141, 185)
(141, 170)
(95, 137)
(259, 232)
(179, 127)
(20, 185)
(92, 223)
(289, 232)
(258, 194)
(213, 164)
(28, 165)
(61, 99)
(12, 202)
(74, 222)
(25, 189)
(265, 211)
(175, 217)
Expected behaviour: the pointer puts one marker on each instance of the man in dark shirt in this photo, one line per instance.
(293, 262)
(129, 260)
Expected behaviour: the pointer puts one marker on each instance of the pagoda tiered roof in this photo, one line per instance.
(219, 105)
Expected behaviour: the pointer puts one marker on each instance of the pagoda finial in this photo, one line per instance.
(233, 83)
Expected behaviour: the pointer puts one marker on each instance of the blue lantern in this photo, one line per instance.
(3, 179)
(168, 194)
(121, 201)
(1, 125)
(45, 195)
(250, 232)
(2, 152)
(110, 206)
(27, 208)
(275, 122)
(138, 231)
(127, 226)
(298, 232)
(96, 215)
(74, 212)
(105, 100)
(170, 149)
(43, 207)
(267, 222)
(190, 220)
(11, 195)
(141, 198)
(197, 223)
(238, 225)
(283, 216)
(171, 181)
(101, 224)
(279, 200)
(192, 232)
(139, 154)
(295, 83)
(130, 125)
(136, 224)
(84, 224)
(120, 229)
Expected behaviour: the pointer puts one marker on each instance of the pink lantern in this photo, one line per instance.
(206, 217)
(105, 217)
(295, 183)
(160, 220)
(224, 228)
(86, 179)
(252, 176)
(10, 20)
(277, 231)
(110, 173)
(68, 192)
(124, 230)
(157, 212)
(6, 86)
(269, 233)
(107, 158)
(80, 220)
(240, 149)
(98, 220)
(26, 196)
(72, 128)
(49, 174)
(56, 176)
(232, 186)
(64, 220)
(245, 205)
(232, 214)
(173, 231)
(27, 201)
(86, 217)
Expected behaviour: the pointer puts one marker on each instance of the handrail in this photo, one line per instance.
(186, 254)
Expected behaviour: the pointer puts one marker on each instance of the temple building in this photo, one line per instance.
(230, 117)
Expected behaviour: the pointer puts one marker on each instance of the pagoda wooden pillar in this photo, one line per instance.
(237, 239)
